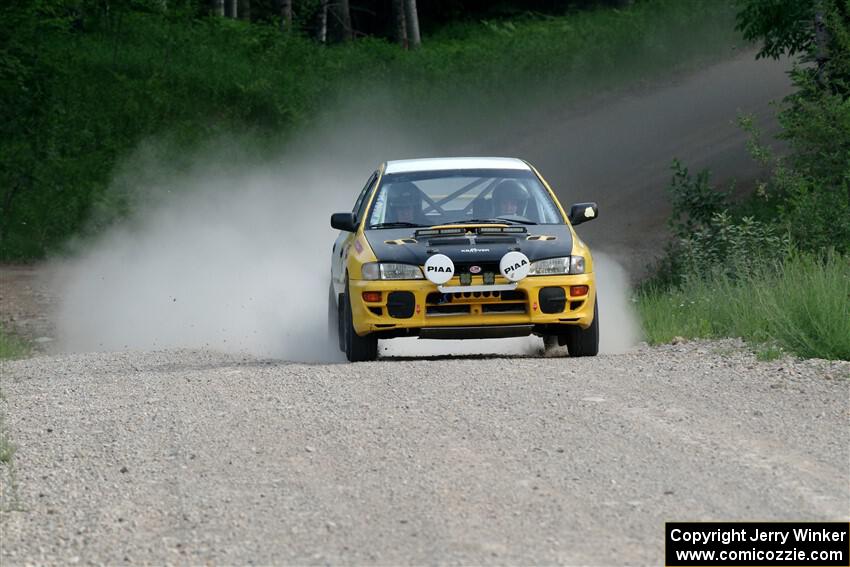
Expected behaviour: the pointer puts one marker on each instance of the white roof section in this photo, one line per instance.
(439, 164)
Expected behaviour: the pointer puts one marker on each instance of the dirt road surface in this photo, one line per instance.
(192, 457)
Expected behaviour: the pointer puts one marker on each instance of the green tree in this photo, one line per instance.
(783, 26)
(812, 187)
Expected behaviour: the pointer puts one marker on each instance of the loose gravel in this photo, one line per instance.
(190, 457)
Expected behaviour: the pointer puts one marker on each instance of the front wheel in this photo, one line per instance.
(584, 342)
(357, 348)
(333, 316)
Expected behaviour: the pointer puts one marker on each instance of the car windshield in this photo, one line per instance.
(460, 196)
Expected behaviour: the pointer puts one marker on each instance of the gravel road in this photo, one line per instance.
(192, 457)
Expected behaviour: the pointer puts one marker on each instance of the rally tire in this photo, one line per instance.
(340, 324)
(333, 316)
(584, 342)
(357, 348)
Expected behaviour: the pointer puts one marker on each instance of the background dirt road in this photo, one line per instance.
(619, 153)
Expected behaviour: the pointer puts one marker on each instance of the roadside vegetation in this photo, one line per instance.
(9, 498)
(7, 448)
(11, 346)
(798, 305)
(85, 83)
(774, 270)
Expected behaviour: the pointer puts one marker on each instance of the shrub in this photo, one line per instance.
(694, 202)
(814, 187)
(708, 240)
(729, 248)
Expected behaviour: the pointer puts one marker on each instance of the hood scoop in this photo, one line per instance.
(401, 241)
(495, 240)
(471, 240)
(541, 237)
(448, 241)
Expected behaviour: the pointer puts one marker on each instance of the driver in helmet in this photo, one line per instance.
(404, 203)
(509, 198)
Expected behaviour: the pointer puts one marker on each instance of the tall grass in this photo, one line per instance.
(801, 305)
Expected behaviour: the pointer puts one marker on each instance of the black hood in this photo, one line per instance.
(410, 246)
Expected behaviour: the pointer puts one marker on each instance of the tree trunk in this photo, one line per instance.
(286, 14)
(218, 7)
(230, 9)
(344, 13)
(245, 9)
(412, 18)
(400, 23)
(322, 34)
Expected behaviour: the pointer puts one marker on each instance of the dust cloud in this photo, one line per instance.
(236, 262)
(237, 258)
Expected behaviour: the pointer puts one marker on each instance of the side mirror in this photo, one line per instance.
(344, 221)
(583, 212)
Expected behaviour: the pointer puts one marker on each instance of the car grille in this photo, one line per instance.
(460, 303)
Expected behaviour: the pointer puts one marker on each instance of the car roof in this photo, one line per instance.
(450, 163)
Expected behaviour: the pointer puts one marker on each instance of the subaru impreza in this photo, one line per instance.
(461, 248)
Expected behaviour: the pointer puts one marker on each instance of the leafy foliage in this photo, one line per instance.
(809, 191)
(731, 248)
(709, 240)
(784, 26)
(694, 202)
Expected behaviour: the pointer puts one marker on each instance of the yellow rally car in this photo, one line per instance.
(456, 248)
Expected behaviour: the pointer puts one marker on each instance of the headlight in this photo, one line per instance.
(388, 271)
(555, 266)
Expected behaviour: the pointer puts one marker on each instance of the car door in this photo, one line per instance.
(344, 240)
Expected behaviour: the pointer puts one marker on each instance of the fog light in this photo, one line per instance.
(372, 296)
(578, 290)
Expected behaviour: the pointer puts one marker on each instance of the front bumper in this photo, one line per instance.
(524, 307)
